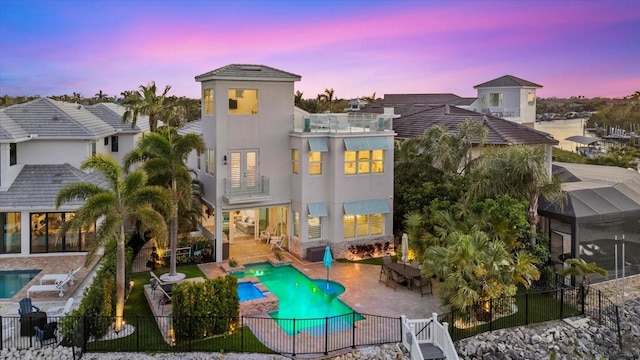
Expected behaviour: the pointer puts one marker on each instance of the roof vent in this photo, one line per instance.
(251, 68)
(56, 117)
(79, 107)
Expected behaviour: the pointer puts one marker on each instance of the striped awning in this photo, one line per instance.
(317, 209)
(366, 207)
(366, 143)
(318, 144)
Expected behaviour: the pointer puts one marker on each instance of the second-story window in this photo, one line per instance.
(209, 161)
(531, 98)
(363, 162)
(243, 101)
(295, 161)
(495, 99)
(208, 101)
(13, 154)
(114, 144)
(315, 163)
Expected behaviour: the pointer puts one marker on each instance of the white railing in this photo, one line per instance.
(342, 123)
(431, 331)
(501, 112)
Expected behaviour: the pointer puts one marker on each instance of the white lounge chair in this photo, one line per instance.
(61, 311)
(277, 242)
(60, 277)
(59, 286)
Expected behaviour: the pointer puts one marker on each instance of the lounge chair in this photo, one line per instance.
(26, 307)
(60, 277)
(165, 299)
(59, 286)
(48, 333)
(277, 242)
(156, 278)
(61, 311)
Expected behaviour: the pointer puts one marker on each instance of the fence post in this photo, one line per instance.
(618, 326)
(326, 335)
(599, 307)
(562, 303)
(583, 295)
(242, 333)
(353, 332)
(294, 337)
(1, 338)
(526, 307)
(137, 333)
(490, 314)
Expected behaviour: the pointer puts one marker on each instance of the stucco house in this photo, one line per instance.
(42, 144)
(315, 179)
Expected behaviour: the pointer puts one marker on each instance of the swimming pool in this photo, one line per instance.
(12, 281)
(248, 291)
(310, 302)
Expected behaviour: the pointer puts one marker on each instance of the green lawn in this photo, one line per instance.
(148, 337)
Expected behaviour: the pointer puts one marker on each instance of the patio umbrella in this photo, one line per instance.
(327, 259)
(405, 248)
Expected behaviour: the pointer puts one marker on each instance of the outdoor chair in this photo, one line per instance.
(423, 284)
(267, 233)
(277, 242)
(48, 333)
(59, 286)
(26, 307)
(61, 311)
(384, 269)
(396, 279)
(61, 277)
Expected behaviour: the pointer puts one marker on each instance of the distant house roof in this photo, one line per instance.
(248, 72)
(500, 131)
(584, 140)
(507, 81)
(406, 104)
(192, 127)
(51, 119)
(112, 114)
(37, 186)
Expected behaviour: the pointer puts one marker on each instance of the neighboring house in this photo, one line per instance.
(268, 166)
(356, 105)
(508, 97)
(602, 209)
(42, 144)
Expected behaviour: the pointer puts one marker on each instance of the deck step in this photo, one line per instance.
(430, 351)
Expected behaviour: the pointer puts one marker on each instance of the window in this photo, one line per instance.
(315, 228)
(198, 159)
(355, 226)
(495, 99)
(296, 223)
(10, 237)
(92, 148)
(363, 162)
(209, 161)
(106, 140)
(45, 237)
(531, 98)
(208, 101)
(13, 154)
(114, 144)
(315, 163)
(295, 161)
(243, 101)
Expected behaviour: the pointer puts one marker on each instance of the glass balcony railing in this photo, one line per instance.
(343, 123)
(246, 190)
(501, 112)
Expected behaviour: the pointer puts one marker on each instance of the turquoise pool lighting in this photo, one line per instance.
(12, 281)
(310, 302)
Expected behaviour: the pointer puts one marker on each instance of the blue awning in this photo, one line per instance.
(366, 143)
(317, 209)
(318, 144)
(366, 207)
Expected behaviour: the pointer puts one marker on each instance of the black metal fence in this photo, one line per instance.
(245, 334)
(534, 307)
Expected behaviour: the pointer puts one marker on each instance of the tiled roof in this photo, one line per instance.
(112, 114)
(9, 130)
(507, 81)
(37, 186)
(500, 131)
(248, 72)
(52, 119)
(192, 127)
(407, 104)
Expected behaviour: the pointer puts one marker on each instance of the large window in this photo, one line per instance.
(208, 101)
(243, 101)
(495, 99)
(209, 161)
(363, 162)
(356, 226)
(45, 238)
(315, 227)
(315, 163)
(295, 161)
(11, 230)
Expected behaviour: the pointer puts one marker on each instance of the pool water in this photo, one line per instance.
(248, 291)
(12, 281)
(313, 303)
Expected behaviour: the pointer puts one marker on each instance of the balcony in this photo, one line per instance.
(343, 123)
(501, 112)
(246, 191)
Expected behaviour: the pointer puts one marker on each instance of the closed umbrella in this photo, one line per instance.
(405, 248)
(327, 259)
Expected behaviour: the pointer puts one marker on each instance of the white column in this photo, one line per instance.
(4, 166)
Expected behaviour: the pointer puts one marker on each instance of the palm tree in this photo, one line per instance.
(122, 199)
(147, 102)
(581, 268)
(327, 95)
(100, 97)
(520, 172)
(163, 155)
(297, 98)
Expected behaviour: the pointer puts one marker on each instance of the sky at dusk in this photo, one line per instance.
(589, 48)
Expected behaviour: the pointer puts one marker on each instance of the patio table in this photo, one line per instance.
(408, 272)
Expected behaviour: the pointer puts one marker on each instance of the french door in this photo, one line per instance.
(244, 170)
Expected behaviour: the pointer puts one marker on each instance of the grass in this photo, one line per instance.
(148, 337)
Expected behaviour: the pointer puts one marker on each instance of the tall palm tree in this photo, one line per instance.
(122, 199)
(520, 172)
(147, 102)
(100, 97)
(327, 95)
(163, 156)
(581, 268)
(297, 97)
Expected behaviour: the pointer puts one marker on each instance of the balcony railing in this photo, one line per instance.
(245, 191)
(343, 123)
(501, 112)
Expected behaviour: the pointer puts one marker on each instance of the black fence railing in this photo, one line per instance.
(533, 307)
(244, 334)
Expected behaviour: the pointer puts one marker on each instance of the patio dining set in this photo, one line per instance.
(394, 274)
